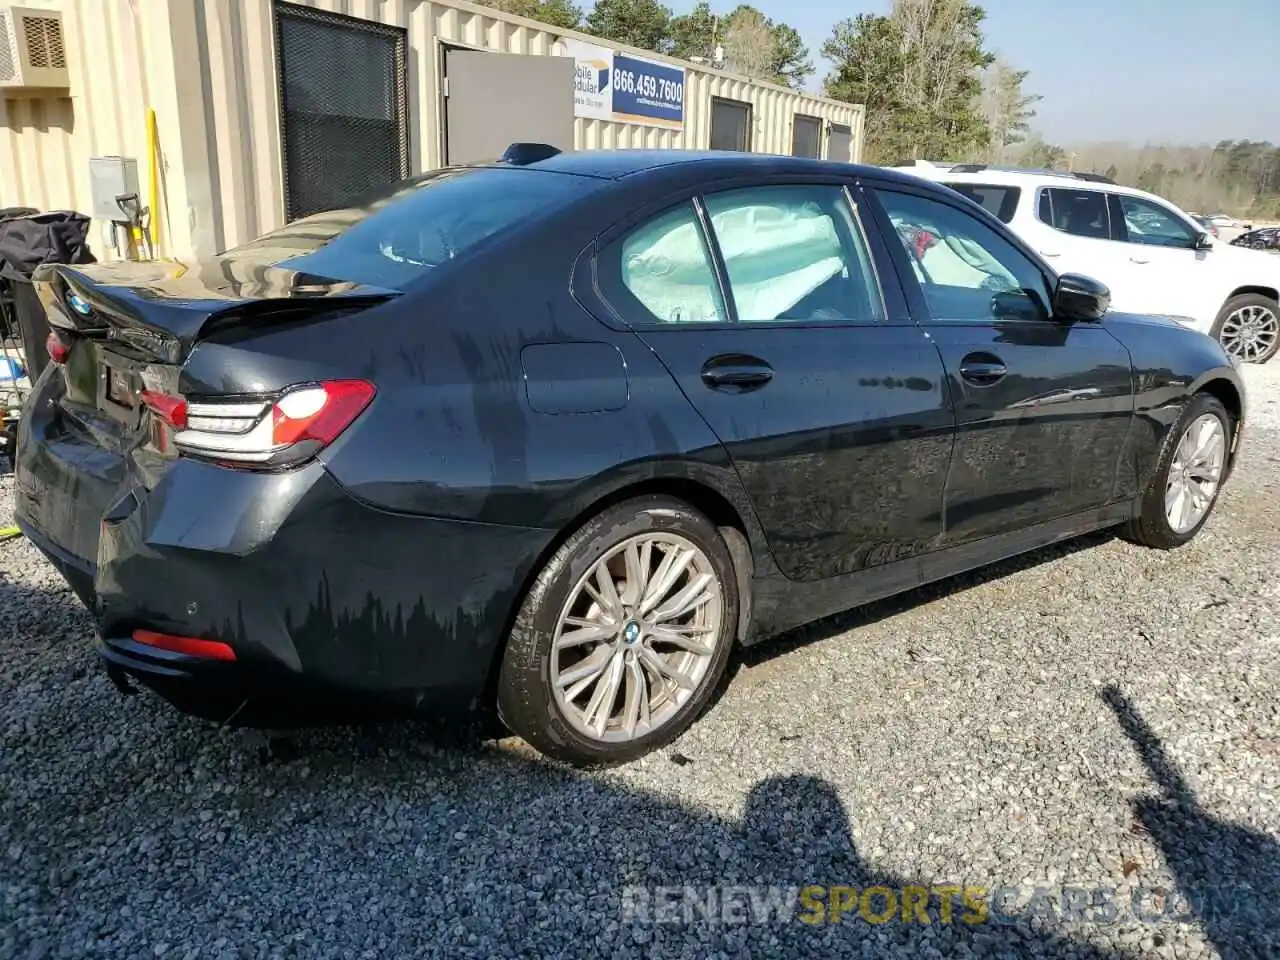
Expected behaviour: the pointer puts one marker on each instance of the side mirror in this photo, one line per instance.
(1079, 297)
(1203, 242)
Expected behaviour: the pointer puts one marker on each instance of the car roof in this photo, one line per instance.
(619, 163)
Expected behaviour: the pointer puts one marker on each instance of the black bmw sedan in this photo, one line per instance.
(555, 434)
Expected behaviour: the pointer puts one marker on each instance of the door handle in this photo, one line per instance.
(1137, 260)
(1050, 255)
(982, 369)
(736, 373)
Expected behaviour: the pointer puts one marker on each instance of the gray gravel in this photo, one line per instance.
(974, 732)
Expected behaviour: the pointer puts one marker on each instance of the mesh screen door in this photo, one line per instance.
(344, 119)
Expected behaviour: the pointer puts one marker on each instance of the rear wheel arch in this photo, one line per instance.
(702, 497)
(1269, 292)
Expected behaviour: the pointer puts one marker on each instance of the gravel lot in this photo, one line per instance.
(1098, 717)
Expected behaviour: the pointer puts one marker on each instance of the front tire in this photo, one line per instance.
(1248, 327)
(1188, 478)
(623, 637)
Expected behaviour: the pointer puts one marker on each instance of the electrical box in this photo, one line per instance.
(111, 177)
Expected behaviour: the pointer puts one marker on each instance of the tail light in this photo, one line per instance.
(56, 347)
(267, 433)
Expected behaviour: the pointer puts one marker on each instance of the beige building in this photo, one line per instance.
(241, 115)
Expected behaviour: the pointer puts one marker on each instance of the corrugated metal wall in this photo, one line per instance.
(46, 142)
(208, 68)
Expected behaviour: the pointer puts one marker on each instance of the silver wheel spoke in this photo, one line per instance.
(637, 560)
(659, 665)
(635, 708)
(589, 633)
(586, 669)
(669, 571)
(606, 695)
(682, 637)
(687, 600)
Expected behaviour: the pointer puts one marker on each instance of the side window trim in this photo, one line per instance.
(1119, 229)
(718, 267)
(891, 297)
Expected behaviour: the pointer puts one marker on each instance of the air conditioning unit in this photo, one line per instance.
(33, 51)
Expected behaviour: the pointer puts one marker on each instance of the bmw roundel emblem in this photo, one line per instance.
(78, 304)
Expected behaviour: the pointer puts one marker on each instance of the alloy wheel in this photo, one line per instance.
(1250, 332)
(636, 637)
(1195, 474)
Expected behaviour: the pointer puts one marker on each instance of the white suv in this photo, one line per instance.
(1155, 258)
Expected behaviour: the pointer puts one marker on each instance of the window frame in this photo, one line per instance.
(593, 278)
(1009, 203)
(912, 289)
(1046, 191)
(1120, 228)
(748, 129)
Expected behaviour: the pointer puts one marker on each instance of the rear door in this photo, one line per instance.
(1042, 407)
(773, 309)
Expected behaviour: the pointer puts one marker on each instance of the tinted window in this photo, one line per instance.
(1081, 213)
(966, 270)
(1154, 225)
(999, 201)
(794, 253)
(666, 268)
(391, 238)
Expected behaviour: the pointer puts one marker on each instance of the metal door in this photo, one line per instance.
(839, 142)
(495, 99)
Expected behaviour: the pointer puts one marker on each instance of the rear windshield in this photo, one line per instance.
(392, 238)
(1000, 201)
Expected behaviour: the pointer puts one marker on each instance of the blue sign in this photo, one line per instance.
(647, 92)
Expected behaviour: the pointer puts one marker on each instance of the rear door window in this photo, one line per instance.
(998, 200)
(794, 253)
(1081, 213)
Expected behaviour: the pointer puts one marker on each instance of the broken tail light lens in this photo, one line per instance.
(270, 433)
(56, 347)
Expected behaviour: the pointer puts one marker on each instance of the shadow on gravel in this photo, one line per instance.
(1228, 875)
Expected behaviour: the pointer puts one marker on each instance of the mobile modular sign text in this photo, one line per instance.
(625, 88)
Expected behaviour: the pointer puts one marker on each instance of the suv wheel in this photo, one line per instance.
(1248, 327)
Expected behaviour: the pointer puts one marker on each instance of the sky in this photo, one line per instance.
(1178, 71)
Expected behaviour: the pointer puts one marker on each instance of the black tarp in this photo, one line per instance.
(27, 240)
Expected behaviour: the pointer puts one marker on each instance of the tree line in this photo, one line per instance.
(930, 86)
(1239, 177)
(932, 90)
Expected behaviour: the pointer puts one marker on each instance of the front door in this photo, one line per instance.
(1042, 407)
(1169, 275)
(766, 306)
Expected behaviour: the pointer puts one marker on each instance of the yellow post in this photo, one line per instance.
(153, 199)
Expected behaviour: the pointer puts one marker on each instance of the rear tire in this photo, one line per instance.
(598, 610)
(1182, 466)
(1248, 327)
